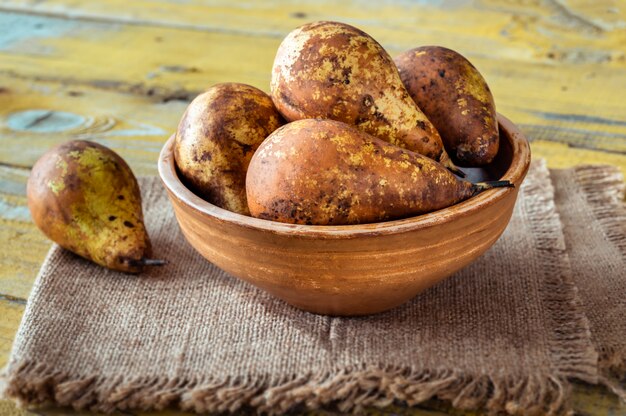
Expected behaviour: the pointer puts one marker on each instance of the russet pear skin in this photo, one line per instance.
(325, 172)
(331, 70)
(456, 99)
(216, 138)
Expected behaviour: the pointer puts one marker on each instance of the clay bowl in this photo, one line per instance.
(352, 269)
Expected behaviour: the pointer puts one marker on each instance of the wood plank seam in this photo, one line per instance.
(12, 299)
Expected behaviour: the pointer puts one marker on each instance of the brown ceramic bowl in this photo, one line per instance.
(352, 269)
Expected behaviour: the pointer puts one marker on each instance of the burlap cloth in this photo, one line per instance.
(505, 334)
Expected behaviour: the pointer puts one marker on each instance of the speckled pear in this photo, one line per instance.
(456, 98)
(85, 198)
(334, 71)
(216, 138)
(325, 172)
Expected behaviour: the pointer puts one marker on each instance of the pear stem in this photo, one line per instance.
(483, 186)
(148, 262)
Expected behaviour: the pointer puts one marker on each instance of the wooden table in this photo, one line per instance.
(122, 71)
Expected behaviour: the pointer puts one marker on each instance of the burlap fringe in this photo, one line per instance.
(604, 190)
(350, 390)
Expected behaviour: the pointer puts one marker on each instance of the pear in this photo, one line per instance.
(456, 98)
(334, 71)
(325, 172)
(84, 197)
(216, 138)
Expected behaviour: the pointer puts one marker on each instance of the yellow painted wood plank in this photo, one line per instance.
(8, 408)
(519, 29)
(24, 247)
(136, 59)
(560, 156)
(534, 35)
(10, 317)
(596, 400)
(603, 15)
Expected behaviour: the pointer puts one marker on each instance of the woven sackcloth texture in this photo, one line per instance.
(504, 334)
(590, 201)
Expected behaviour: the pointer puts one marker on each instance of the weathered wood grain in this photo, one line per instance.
(11, 314)
(562, 156)
(43, 114)
(24, 247)
(8, 408)
(520, 29)
(541, 33)
(156, 61)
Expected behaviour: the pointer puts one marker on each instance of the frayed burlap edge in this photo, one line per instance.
(348, 390)
(543, 391)
(603, 187)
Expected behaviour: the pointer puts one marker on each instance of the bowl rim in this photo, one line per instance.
(515, 173)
